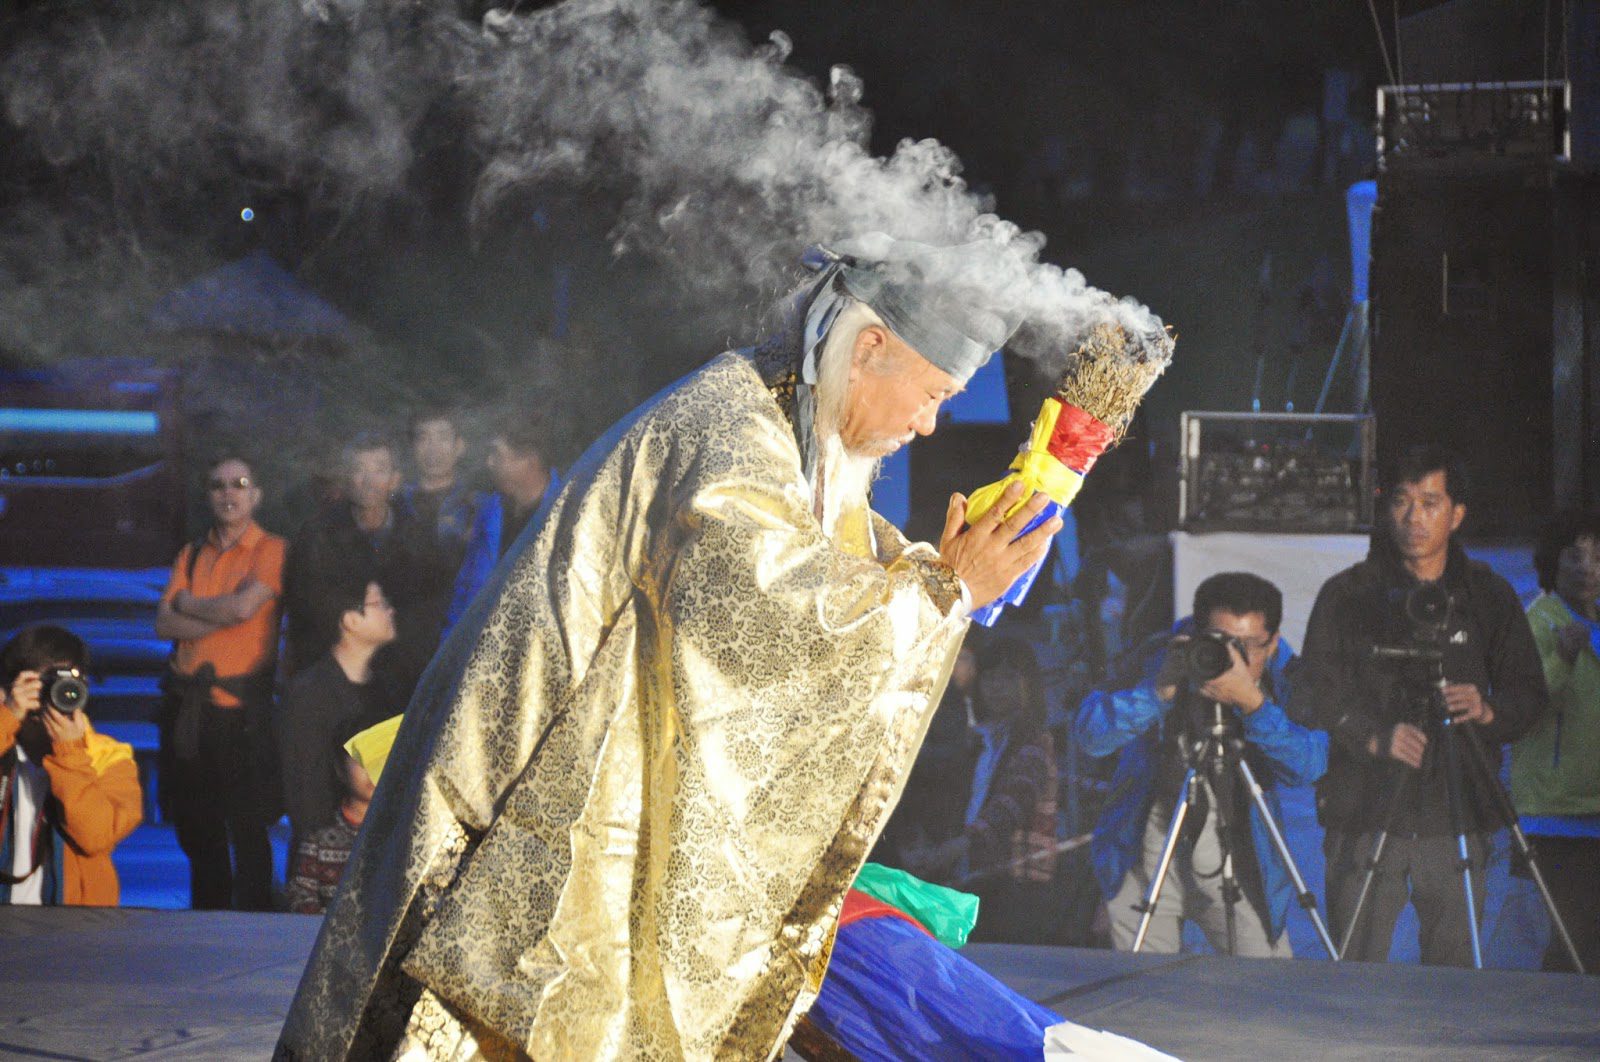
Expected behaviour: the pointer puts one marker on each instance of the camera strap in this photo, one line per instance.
(1198, 818)
(39, 826)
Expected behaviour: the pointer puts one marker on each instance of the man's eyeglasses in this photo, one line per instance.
(237, 482)
(1250, 647)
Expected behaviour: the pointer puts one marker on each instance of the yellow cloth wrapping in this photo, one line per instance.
(626, 802)
(1035, 467)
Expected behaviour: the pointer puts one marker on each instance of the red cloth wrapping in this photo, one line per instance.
(1078, 439)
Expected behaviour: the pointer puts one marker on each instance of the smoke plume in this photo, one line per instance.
(718, 161)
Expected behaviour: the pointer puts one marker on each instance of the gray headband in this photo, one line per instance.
(931, 297)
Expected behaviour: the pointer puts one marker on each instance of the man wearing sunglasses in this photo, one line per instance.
(221, 610)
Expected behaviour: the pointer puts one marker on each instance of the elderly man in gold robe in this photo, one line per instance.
(630, 793)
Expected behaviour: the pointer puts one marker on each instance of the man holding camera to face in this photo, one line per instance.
(1227, 664)
(1412, 639)
(68, 795)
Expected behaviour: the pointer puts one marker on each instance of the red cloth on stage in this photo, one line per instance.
(858, 905)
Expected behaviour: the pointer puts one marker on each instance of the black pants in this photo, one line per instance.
(220, 813)
(1424, 871)
(1571, 868)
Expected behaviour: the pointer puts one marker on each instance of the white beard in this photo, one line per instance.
(845, 480)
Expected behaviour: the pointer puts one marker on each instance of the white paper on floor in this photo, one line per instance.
(1072, 1041)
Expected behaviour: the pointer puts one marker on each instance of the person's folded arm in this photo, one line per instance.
(226, 610)
(175, 625)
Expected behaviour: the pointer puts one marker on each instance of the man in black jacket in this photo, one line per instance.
(1384, 733)
(368, 535)
(331, 699)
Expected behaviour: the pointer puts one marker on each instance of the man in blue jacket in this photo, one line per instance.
(525, 477)
(1140, 723)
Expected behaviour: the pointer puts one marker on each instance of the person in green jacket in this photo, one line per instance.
(1555, 768)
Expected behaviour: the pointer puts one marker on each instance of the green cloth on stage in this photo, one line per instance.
(948, 914)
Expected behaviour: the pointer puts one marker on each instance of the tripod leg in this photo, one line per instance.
(1519, 840)
(1153, 895)
(1379, 843)
(1231, 894)
(1450, 733)
(1219, 792)
(1307, 899)
(1401, 783)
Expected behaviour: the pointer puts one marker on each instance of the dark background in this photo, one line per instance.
(1193, 156)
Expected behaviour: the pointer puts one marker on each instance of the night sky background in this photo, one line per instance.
(1192, 156)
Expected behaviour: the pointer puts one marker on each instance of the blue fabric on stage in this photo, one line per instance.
(893, 993)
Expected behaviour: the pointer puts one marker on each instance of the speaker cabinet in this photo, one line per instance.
(1462, 332)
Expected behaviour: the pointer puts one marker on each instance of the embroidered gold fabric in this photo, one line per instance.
(437, 1033)
(631, 791)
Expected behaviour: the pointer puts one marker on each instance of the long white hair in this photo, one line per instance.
(844, 479)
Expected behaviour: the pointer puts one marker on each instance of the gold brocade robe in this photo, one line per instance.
(628, 798)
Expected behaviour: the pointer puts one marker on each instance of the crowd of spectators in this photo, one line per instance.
(284, 650)
(1412, 650)
(1058, 803)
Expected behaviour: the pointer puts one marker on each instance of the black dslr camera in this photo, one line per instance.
(1429, 613)
(64, 689)
(1208, 654)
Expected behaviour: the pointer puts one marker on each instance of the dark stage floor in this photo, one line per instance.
(110, 984)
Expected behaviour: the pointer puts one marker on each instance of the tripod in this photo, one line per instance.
(1453, 736)
(1211, 762)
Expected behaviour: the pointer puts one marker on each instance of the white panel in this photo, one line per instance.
(1297, 564)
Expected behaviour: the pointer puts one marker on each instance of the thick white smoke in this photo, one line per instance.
(719, 162)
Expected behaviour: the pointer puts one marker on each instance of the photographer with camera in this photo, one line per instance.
(1412, 636)
(1228, 654)
(68, 795)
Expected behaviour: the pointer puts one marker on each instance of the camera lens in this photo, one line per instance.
(1206, 658)
(67, 692)
(1428, 605)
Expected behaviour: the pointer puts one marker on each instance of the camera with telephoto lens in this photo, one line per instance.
(1208, 654)
(64, 689)
(1429, 612)
(1429, 609)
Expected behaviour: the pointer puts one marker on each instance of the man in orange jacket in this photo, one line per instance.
(67, 794)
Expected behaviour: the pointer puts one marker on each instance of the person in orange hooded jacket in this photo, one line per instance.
(68, 795)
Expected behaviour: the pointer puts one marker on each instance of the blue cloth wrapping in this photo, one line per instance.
(893, 992)
(988, 614)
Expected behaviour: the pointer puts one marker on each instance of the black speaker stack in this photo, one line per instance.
(1485, 285)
